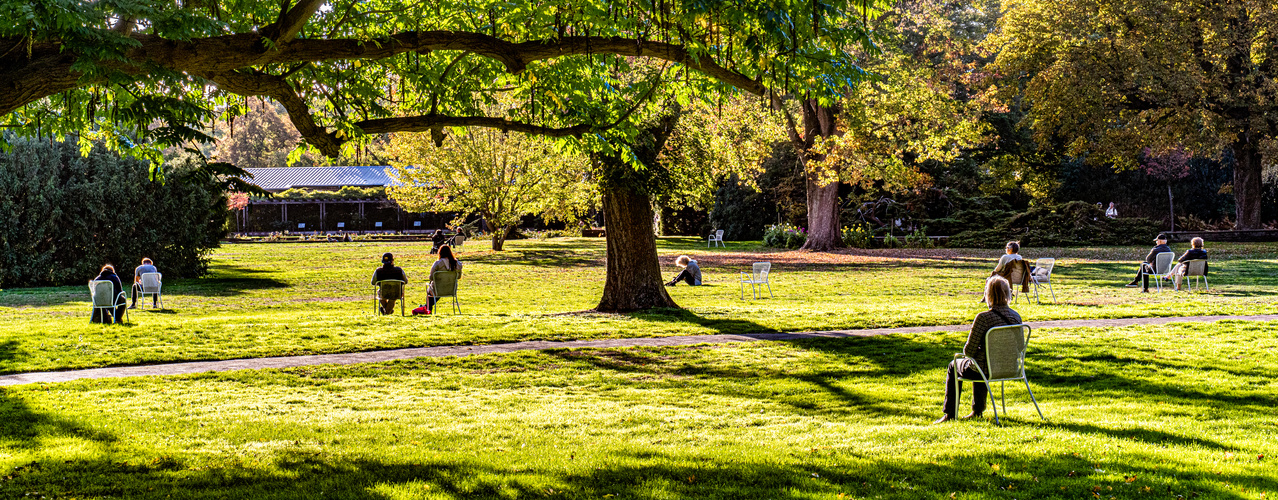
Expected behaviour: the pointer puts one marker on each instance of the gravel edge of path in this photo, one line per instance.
(191, 367)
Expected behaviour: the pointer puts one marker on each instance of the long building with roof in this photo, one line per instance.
(330, 214)
(319, 178)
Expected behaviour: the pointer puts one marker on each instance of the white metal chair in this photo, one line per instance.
(715, 237)
(757, 279)
(151, 286)
(445, 285)
(459, 240)
(1196, 269)
(1005, 357)
(101, 293)
(1162, 268)
(388, 288)
(1042, 276)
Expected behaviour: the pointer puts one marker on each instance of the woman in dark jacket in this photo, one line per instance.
(1195, 253)
(997, 292)
(108, 274)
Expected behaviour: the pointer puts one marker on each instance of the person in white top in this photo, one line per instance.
(1111, 212)
(1013, 253)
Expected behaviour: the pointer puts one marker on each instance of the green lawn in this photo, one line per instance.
(1178, 411)
(278, 299)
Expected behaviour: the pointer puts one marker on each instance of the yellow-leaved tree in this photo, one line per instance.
(497, 175)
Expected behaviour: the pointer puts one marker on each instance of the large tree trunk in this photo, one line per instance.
(499, 237)
(634, 273)
(823, 216)
(822, 180)
(1247, 183)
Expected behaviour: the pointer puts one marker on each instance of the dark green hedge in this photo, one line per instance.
(1075, 223)
(66, 214)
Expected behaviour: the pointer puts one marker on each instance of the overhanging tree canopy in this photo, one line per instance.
(1115, 77)
(348, 69)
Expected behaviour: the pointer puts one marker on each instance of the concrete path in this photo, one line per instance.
(419, 352)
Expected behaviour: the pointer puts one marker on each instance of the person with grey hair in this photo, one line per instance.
(997, 293)
(691, 273)
(1195, 252)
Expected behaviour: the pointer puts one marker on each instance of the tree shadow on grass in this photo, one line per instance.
(635, 471)
(227, 280)
(720, 326)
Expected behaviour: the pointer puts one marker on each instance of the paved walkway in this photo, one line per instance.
(419, 352)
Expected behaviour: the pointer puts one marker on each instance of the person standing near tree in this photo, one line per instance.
(146, 267)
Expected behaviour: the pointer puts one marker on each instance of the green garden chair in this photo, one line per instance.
(388, 288)
(1005, 356)
(445, 285)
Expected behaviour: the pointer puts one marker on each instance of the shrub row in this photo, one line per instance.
(1075, 223)
(67, 214)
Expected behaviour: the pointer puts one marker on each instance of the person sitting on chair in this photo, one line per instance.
(1004, 266)
(691, 273)
(438, 240)
(146, 267)
(1147, 267)
(389, 271)
(997, 292)
(1013, 249)
(100, 315)
(446, 262)
(1194, 253)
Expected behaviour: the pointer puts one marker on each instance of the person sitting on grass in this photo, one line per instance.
(1147, 267)
(1196, 252)
(389, 294)
(997, 292)
(100, 315)
(146, 267)
(446, 262)
(691, 273)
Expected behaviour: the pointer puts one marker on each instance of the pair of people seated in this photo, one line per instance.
(1147, 268)
(389, 294)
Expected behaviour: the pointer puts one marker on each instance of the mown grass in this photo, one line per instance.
(1177, 411)
(281, 299)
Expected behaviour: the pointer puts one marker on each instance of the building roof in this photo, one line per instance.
(279, 179)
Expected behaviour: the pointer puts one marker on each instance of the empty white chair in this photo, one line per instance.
(757, 279)
(1005, 357)
(715, 237)
(102, 294)
(1042, 276)
(151, 286)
